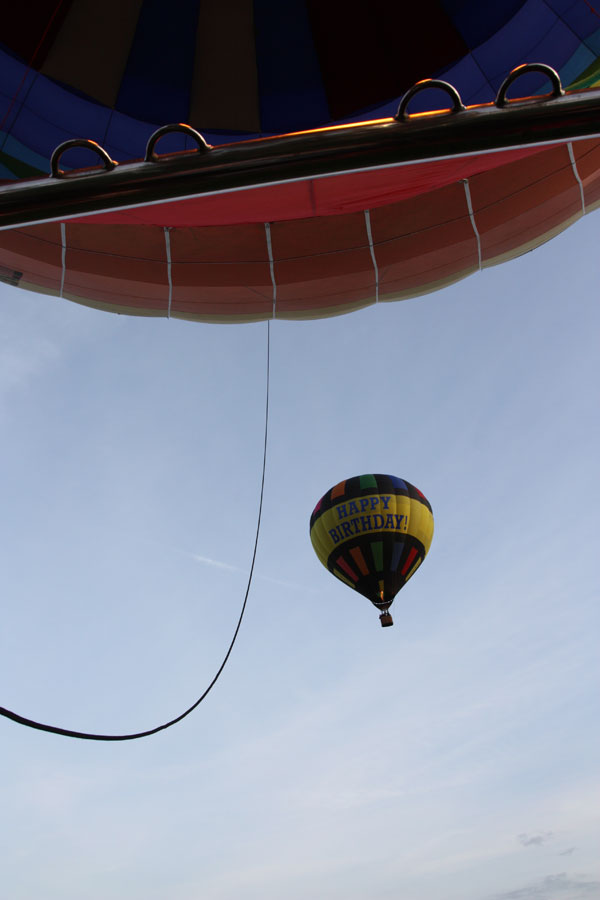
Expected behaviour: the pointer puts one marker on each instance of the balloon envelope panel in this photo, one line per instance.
(372, 532)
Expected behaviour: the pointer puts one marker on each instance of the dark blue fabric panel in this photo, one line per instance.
(11, 74)
(38, 133)
(558, 46)
(156, 82)
(516, 42)
(289, 79)
(477, 20)
(470, 81)
(73, 113)
(398, 482)
(126, 138)
(577, 15)
(554, 48)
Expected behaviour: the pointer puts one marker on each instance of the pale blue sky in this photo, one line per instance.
(453, 756)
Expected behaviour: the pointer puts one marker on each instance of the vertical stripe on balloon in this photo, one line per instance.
(346, 567)
(396, 555)
(377, 551)
(338, 490)
(357, 556)
(409, 561)
(368, 481)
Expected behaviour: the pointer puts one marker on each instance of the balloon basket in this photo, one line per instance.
(386, 620)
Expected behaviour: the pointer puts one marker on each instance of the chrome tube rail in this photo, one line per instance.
(527, 122)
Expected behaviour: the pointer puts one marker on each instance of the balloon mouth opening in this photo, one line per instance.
(385, 617)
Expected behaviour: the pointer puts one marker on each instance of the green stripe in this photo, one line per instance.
(377, 551)
(368, 481)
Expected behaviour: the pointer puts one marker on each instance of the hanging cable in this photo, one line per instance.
(84, 735)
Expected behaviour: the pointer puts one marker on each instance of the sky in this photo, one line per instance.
(452, 756)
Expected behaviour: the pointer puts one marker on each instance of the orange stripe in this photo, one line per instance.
(338, 490)
(359, 559)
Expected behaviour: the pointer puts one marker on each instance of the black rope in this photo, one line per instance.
(66, 732)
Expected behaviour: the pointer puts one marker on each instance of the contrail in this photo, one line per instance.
(212, 562)
(221, 565)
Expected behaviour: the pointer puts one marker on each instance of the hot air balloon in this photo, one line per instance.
(373, 532)
(295, 227)
(238, 69)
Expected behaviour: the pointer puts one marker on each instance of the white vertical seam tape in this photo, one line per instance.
(271, 265)
(576, 174)
(167, 233)
(367, 213)
(472, 218)
(63, 240)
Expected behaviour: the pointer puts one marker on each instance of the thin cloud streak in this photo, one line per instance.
(214, 562)
(217, 564)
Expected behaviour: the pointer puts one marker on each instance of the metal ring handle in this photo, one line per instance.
(55, 172)
(180, 128)
(552, 75)
(457, 104)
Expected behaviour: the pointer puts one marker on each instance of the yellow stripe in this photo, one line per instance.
(371, 514)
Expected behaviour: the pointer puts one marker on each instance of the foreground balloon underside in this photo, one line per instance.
(381, 237)
(72, 68)
(373, 532)
(307, 249)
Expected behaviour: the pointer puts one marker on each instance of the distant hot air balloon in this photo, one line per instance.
(373, 532)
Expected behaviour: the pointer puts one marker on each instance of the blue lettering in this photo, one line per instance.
(333, 535)
(341, 511)
(389, 522)
(374, 502)
(399, 521)
(377, 522)
(345, 526)
(352, 508)
(386, 502)
(355, 523)
(365, 522)
(364, 504)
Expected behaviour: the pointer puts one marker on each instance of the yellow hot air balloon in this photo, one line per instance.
(373, 532)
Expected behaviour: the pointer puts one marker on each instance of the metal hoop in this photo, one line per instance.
(457, 104)
(179, 128)
(55, 172)
(552, 75)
